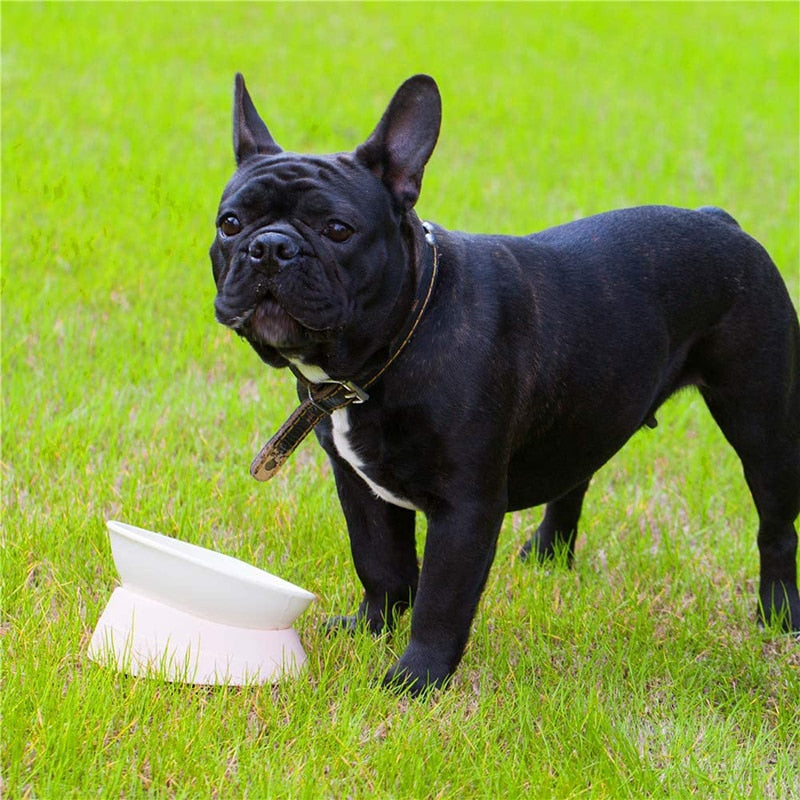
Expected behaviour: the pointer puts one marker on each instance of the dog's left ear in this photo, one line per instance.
(400, 146)
(250, 134)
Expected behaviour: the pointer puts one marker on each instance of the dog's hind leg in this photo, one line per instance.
(559, 529)
(754, 396)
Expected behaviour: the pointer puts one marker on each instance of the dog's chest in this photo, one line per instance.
(342, 441)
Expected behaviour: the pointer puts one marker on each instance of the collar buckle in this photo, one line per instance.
(357, 394)
(354, 394)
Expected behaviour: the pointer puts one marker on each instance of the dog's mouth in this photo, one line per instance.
(267, 322)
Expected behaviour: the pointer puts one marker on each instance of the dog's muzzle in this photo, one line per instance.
(246, 285)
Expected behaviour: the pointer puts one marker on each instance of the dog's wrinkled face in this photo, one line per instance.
(288, 229)
(310, 248)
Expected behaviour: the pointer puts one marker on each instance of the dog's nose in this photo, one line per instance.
(272, 251)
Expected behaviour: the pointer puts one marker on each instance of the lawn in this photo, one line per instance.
(639, 673)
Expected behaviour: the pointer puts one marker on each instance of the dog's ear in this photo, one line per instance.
(401, 144)
(250, 134)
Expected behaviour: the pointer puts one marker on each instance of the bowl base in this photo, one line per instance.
(144, 637)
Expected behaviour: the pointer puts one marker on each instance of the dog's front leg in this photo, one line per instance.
(384, 552)
(459, 551)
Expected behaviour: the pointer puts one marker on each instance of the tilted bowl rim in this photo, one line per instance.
(205, 559)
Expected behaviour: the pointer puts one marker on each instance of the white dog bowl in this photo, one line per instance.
(190, 614)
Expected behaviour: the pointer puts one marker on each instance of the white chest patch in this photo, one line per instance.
(341, 429)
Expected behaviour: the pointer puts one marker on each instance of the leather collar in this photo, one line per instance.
(326, 397)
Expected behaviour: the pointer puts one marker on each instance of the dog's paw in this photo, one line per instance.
(779, 608)
(546, 548)
(537, 552)
(417, 676)
(353, 623)
(342, 624)
(528, 550)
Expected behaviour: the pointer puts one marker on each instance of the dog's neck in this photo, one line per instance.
(312, 375)
(326, 395)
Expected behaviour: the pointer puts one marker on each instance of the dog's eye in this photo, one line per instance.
(230, 225)
(337, 231)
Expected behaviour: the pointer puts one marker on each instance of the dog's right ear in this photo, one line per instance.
(250, 134)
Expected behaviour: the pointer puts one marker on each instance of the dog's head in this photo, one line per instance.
(314, 255)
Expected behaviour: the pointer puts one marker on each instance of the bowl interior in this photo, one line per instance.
(203, 582)
(203, 557)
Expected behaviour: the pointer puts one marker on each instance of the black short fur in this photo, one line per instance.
(537, 359)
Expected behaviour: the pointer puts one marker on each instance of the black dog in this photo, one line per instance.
(466, 376)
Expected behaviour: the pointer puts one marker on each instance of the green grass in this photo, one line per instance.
(640, 673)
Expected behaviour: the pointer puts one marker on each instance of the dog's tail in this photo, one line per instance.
(719, 214)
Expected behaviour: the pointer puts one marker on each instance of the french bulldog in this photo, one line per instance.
(464, 376)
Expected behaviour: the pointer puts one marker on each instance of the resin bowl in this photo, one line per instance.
(186, 613)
